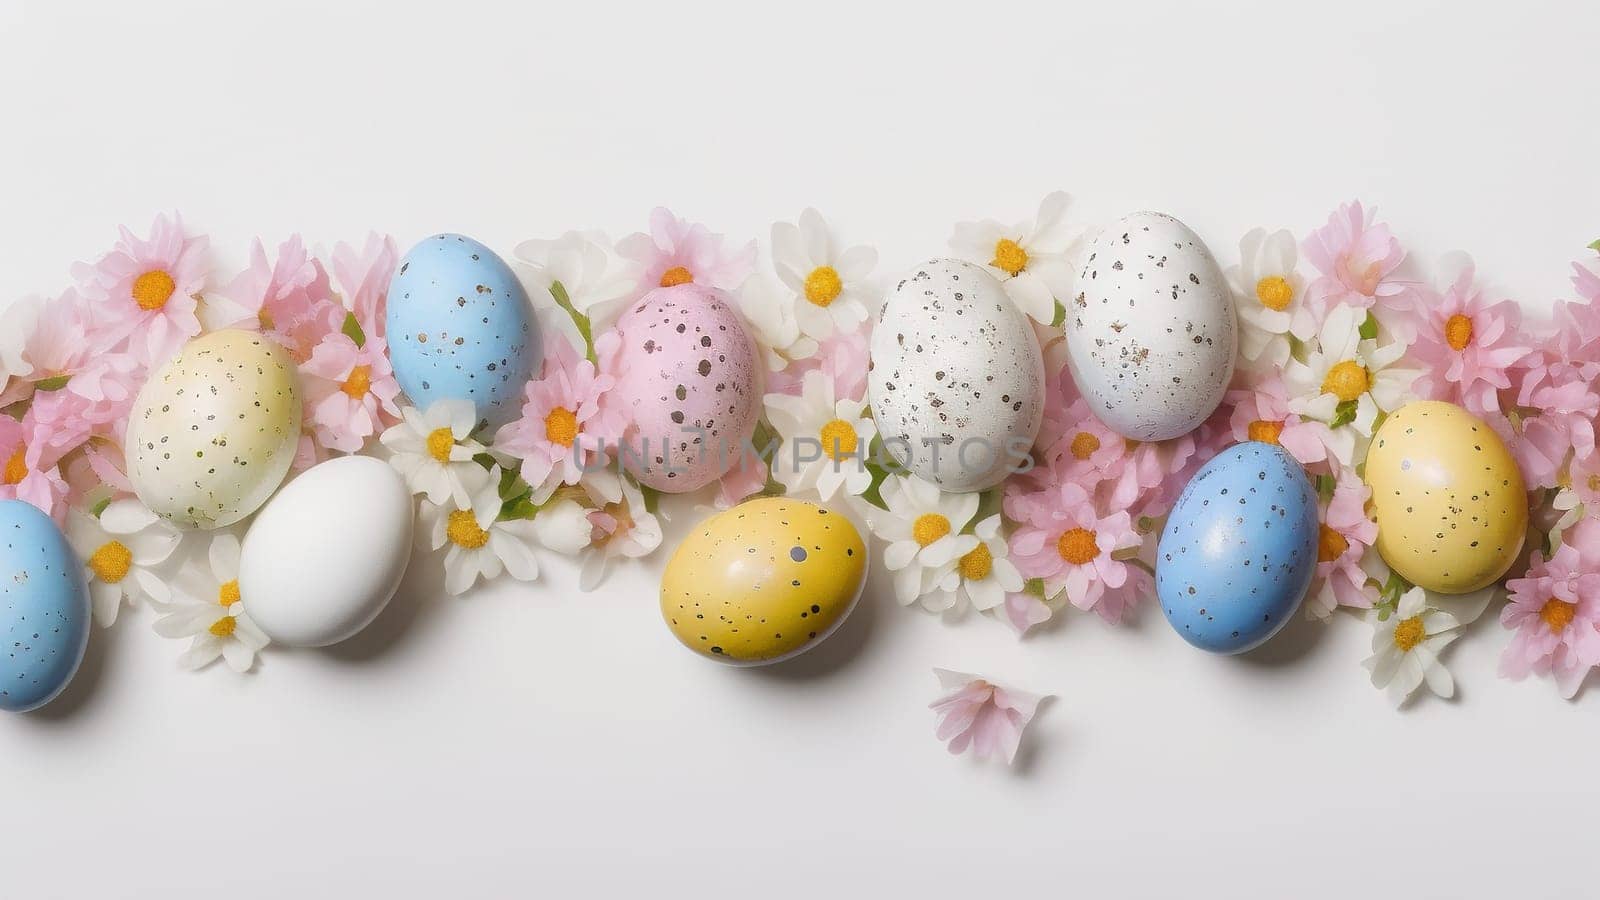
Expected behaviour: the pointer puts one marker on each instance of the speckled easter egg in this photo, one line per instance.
(44, 608)
(1151, 334)
(460, 326)
(956, 376)
(1449, 500)
(214, 431)
(690, 384)
(1239, 549)
(763, 581)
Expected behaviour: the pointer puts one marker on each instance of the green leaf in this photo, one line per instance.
(101, 506)
(652, 498)
(1595, 246)
(559, 292)
(352, 330)
(1060, 318)
(1369, 328)
(1344, 413)
(1034, 586)
(53, 383)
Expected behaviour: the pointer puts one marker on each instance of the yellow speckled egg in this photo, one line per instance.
(214, 430)
(1449, 499)
(763, 581)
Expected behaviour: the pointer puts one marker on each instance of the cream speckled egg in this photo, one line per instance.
(1152, 333)
(956, 376)
(213, 431)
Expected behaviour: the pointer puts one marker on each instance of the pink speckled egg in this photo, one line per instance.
(688, 377)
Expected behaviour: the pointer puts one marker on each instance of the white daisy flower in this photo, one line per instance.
(213, 615)
(922, 526)
(16, 326)
(981, 578)
(120, 550)
(1032, 259)
(1343, 368)
(434, 451)
(623, 529)
(1270, 296)
(593, 278)
(770, 310)
(825, 441)
(1405, 649)
(831, 289)
(482, 545)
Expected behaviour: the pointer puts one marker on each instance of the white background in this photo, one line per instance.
(534, 738)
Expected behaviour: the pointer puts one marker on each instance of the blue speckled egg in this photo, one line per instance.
(44, 608)
(1239, 549)
(460, 325)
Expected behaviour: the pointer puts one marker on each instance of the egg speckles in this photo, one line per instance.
(460, 326)
(1449, 500)
(44, 608)
(956, 376)
(1239, 549)
(689, 383)
(763, 581)
(213, 432)
(1152, 332)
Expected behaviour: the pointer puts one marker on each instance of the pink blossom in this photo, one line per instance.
(676, 251)
(565, 425)
(1564, 424)
(28, 469)
(1074, 549)
(1022, 611)
(1587, 282)
(747, 477)
(146, 290)
(350, 392)
(80, 385)
(841, 356)
(1357, 259)
(289, 298)
(363, 276)
(1468, 347)
(982, 716)
(1344, 535)
(1555, 612)
(1260, 412)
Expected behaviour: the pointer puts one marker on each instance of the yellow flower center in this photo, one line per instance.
(463, 530)
(823, 285)
(1274, 293)
(1330, 545)
(977, 565)
(1557, 614)
(675, 276)
(223, 627)
(1409, 633)
(440, 442)
(17, 466)
(360, 381)
(1084, 445)
(153, 289)
(561, 426)
(265, 319)
(1347, 381)
(1078, 546)
(1264, 431)
(929, 527)
(1594, 483)
(1009, 257)
(839, 441)
(228, 593)
(1458, 332)
(110, 562)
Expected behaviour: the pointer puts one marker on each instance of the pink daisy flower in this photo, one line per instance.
(1565, 424)
(1071, 547)
(1343, 538)
(977, 715)
(290, 299)
(146, 290)
(350, 392)
(1469, 347)
(1357, 259)
(1261, 413)
(565, 426)
(1555, 611)
(81, 385)
(680, 252)
(28, 469)
(363, 276)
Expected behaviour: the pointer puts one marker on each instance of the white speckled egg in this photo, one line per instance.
(214, 430)
(955, 376)
(1151, 334)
